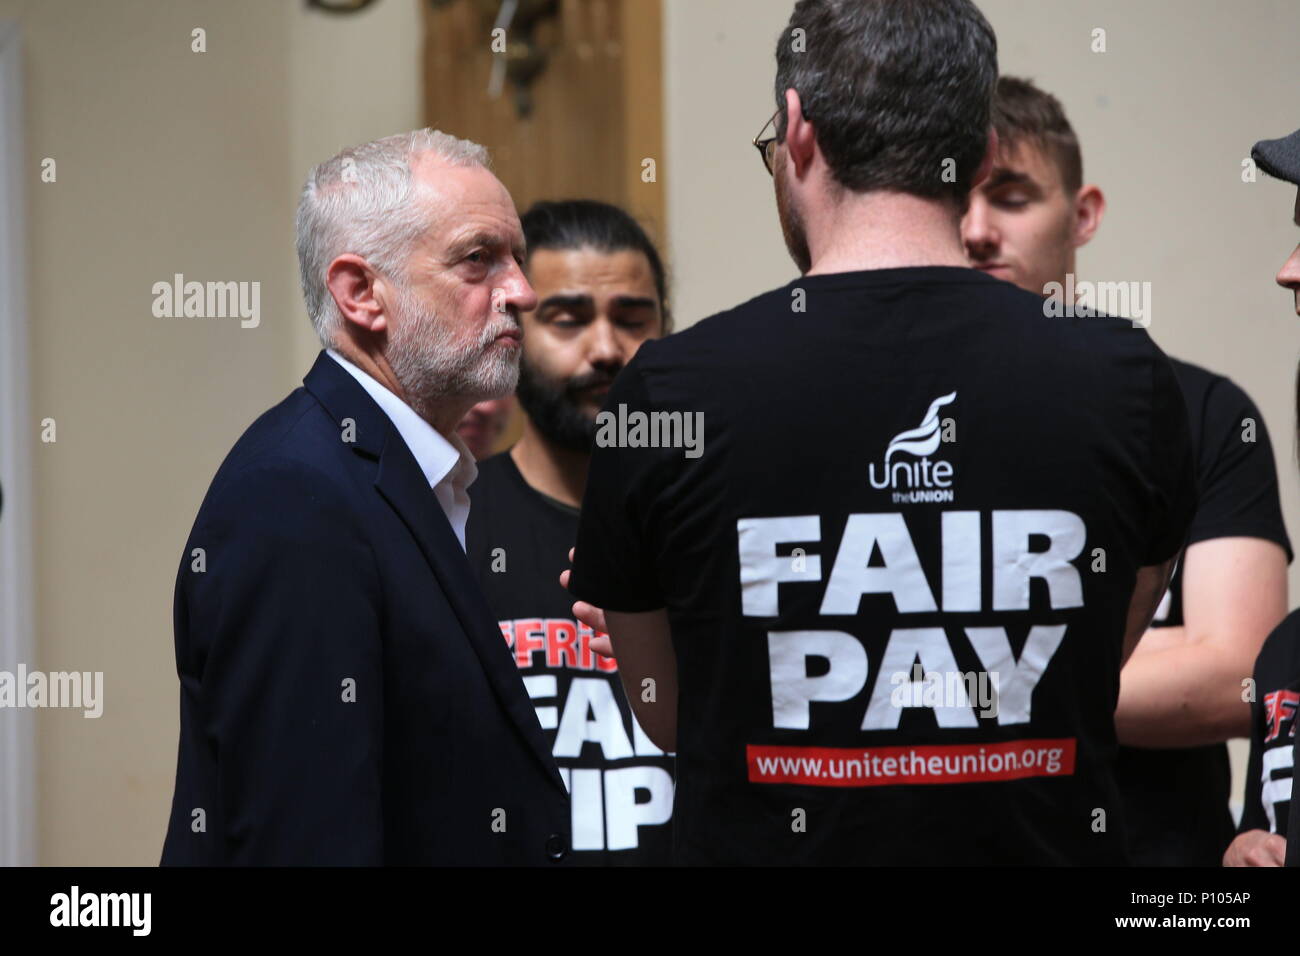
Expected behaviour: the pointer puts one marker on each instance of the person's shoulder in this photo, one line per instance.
(496, 466)
(718, 334)
(286, 462)
(1100, 332)
(1290, 624)
(496, 474)
(1194, 377)
(1119, 358)
(1058, 331)
(1203, 387)
(286, 429)
(1282, 646)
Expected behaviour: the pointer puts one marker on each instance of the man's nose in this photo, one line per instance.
(978, 233)
(517, 292)
(603, 346)
(1289, 276)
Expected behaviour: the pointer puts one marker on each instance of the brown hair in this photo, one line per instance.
(1024, 113)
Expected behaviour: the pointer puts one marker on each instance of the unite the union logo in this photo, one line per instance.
(918, 480)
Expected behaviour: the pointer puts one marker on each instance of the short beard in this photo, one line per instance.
(792, 227)
(552, 406)
(433, 367)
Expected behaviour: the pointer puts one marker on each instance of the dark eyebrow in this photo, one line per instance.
(573, 301)
(635, 302)
(568, 300)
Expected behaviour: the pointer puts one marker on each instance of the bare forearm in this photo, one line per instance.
(1183, 685)
(647, 665)
(1150, 584)
(1182, 696)
(655, 711)
(1158, 639)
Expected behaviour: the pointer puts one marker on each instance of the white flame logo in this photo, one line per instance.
(924, 439)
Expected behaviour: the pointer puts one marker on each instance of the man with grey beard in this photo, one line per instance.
(345, 695)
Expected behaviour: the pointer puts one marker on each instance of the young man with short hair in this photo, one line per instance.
(1181, 692)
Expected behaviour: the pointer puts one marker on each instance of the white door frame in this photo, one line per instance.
(17, 630)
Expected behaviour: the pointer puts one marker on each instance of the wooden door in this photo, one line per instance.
(595, 130)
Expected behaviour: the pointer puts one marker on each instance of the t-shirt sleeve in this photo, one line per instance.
(1239, 493)
(615, 559)
(1173, 465)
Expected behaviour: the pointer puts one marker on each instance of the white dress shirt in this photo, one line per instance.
(447, 465)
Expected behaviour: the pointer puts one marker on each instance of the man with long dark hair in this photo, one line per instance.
(601, 294)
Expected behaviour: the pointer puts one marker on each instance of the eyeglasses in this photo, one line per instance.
(766, 145)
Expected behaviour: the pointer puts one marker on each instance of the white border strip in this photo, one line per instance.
(17, 726)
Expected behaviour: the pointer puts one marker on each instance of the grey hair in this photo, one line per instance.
(359, 202)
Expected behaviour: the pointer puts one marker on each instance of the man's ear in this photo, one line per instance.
(1089, 207)
(986, 164)
(800, 137)
(351, 281)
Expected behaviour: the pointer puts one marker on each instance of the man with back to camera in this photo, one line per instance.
(896, 637)
(345, 695)
(1181, 692)
(601, 293)
(1270, 817)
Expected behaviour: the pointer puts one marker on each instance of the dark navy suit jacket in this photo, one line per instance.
(346, 695)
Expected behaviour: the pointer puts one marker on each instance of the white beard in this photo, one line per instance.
(431, 365)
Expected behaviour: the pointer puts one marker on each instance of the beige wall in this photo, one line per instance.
(168, 161)
(1165, 116)
(352, 79)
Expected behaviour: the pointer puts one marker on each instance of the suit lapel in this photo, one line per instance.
(402, 484)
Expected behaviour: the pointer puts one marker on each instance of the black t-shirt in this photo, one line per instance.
(1176, 800)
(1293, 846)
(620, 784)
(1273, 717)
(899, 467)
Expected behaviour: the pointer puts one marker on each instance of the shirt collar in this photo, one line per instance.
(439, 459)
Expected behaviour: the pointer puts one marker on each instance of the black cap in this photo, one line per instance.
(1279, 157)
